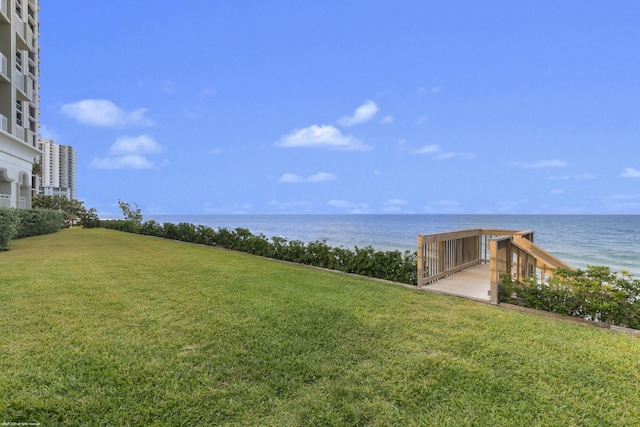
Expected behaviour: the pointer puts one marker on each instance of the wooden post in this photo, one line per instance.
(493, 266)
(421, 259)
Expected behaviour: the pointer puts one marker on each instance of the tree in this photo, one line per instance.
(73, 209)
(135, 216)
(36, 169)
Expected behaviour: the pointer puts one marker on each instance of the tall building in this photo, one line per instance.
(19, 71)
(58, 175)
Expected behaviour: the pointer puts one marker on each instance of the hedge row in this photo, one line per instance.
(597, 294)
(18, 223)
(390, 265)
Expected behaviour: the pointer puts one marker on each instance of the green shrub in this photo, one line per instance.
(9, 221)
(152, 228)
(367, 261)
(205, 235)
(121, 225)
(89, 218)
(35, 222)
(18, 223)
(597, 294)
(186, 232)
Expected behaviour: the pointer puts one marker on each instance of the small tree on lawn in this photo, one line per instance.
(133, 215)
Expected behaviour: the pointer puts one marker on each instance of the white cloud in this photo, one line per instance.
(556, 191)
(623, 202)
(432, 89)
(322, 176)
(325, 136)
(444, 205)
(387, 119)
(394, 205)
(630, 173)
(552, 163)
(130, 161)
(427, 149)
(288, 178)
(624, 197)
(142, 144)
(586, 176)
(348, 206)
(438, 154)
(104, 113)
(47, 132)
(363, 113)
(129, 153)
(301, 206)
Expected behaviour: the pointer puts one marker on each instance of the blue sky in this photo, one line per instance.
(347, 106)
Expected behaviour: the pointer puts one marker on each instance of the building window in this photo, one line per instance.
(19, 113)
(19, 61)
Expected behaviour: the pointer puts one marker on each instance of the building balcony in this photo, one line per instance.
(24, 85)
(4, 17)
(4, 68)
(18, 132)
(32, 138)
(18, 80)
(4, 124)
(23, 33)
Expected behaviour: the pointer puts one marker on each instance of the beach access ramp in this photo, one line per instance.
(471, 263)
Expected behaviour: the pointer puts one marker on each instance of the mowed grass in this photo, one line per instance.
(99, 327)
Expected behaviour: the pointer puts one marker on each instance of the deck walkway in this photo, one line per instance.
(471, 283)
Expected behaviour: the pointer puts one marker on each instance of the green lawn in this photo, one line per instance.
(99, 327)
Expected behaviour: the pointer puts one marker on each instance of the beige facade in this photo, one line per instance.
(19, 71)
(58, 176)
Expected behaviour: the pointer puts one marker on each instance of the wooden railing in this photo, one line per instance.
(520, 258)
(506, 251)
(443, 254)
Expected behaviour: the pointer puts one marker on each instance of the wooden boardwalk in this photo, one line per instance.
(472, 283)
(471, 263)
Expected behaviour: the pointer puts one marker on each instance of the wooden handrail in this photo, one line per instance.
(540, 254)
(530, 259)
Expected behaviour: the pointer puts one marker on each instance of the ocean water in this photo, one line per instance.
(578, 240)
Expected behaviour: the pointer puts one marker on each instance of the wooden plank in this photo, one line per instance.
(450, 235)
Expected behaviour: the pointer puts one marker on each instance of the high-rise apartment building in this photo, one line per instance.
(58, 170)
(19, 71)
